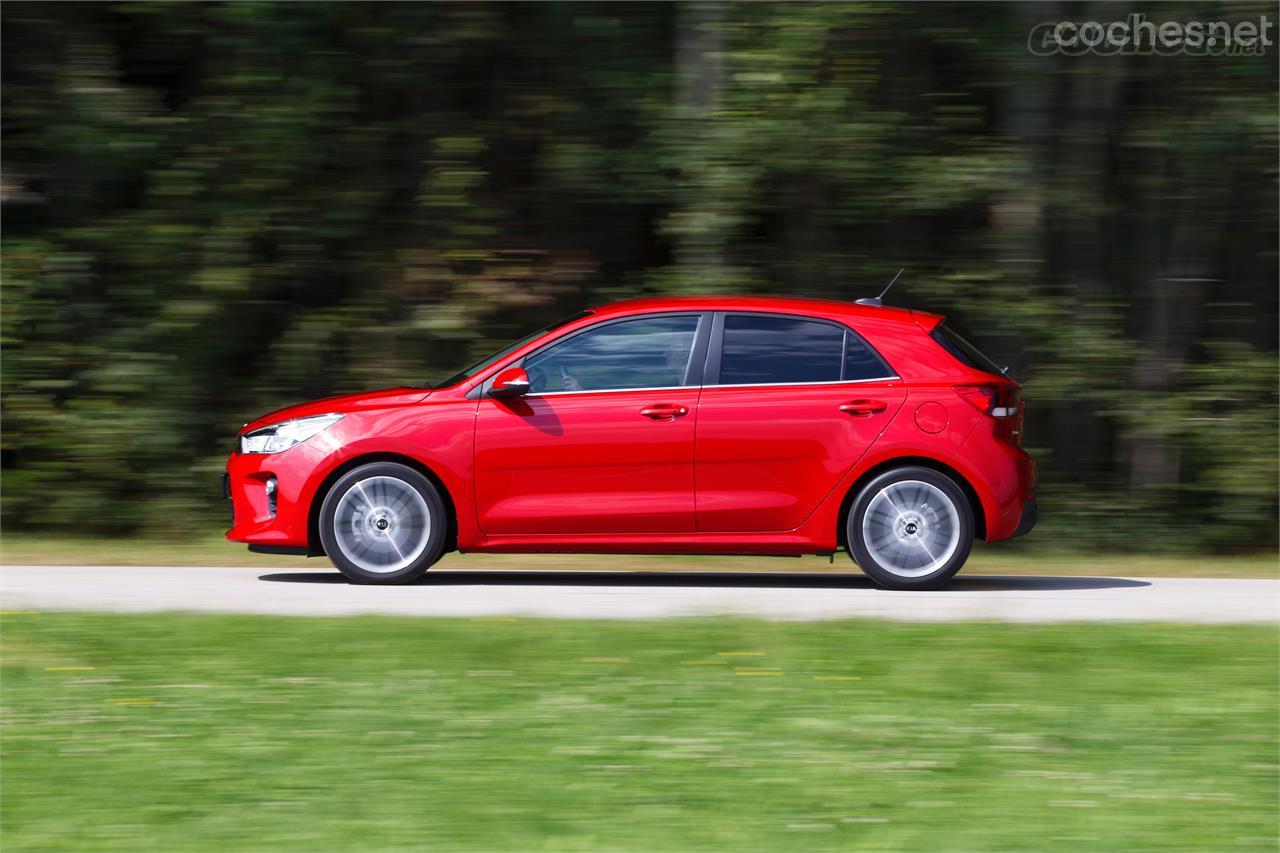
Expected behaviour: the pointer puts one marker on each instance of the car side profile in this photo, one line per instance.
(764, 426)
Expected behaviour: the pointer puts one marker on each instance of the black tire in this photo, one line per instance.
(904, 529)
(388, 481)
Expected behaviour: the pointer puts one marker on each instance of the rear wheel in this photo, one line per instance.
(910, 528)
(383, 523)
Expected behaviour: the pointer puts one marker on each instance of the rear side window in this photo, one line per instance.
(964, 352)
(760, 350)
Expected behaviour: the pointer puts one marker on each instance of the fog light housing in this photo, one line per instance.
(270, 489)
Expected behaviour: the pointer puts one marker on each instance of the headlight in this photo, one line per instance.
(282, 436)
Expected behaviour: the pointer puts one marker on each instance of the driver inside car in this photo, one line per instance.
(674, 363)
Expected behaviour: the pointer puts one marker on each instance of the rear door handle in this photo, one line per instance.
(664, 412)
(863, 408)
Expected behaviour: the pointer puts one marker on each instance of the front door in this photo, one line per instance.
(604, 440)
(795, 404)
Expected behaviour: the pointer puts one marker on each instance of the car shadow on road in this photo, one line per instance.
(752, 580)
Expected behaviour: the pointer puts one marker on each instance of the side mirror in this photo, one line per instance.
(512, 382)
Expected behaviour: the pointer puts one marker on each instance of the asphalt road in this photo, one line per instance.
(605, 595)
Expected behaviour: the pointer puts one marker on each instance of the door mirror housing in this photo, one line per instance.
(511, 382)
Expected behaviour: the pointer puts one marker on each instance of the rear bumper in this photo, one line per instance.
(1004, 477)
(1030, 515)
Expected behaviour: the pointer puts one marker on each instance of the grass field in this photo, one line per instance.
(212, 733)
(998, 559)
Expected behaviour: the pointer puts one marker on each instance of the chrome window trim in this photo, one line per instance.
(613, 391)
(793, 384)
(701, 387)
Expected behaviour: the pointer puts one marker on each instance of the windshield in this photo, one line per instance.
(468, 372)
(965, 352)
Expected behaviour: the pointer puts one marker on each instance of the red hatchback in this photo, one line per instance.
(660, 426)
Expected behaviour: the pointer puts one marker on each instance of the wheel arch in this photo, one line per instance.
(314, 544)
(979, 516)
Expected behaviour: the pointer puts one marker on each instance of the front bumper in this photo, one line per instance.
(226, 496)
(278, 520)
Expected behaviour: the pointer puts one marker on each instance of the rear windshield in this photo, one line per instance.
(965, 352)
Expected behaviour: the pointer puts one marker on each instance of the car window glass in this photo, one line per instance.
(650, 352)
(777, 350)
(964, 352)
(468, 372)
(861, 361)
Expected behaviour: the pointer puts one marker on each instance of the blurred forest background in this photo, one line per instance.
(212, 210)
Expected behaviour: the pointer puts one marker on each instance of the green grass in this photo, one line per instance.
(997, 559)
(218, 733)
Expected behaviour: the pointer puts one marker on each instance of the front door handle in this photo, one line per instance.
(664, 412)
(863, 408)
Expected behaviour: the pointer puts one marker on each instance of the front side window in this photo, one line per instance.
(468, 372)
(648, 352)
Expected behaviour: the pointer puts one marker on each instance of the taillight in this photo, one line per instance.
(1001, 402)
(998, 401)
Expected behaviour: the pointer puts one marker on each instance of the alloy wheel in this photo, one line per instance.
(382, 524)
(911, 528)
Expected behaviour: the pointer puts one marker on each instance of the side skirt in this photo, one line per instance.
(688, 544)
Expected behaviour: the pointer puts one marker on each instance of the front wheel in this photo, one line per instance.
(383, 523)
(910, 528)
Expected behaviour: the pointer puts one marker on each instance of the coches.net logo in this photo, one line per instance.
(1136, 35)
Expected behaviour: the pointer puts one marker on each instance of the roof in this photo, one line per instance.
(821, 307)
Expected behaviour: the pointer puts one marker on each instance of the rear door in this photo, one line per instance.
(789, 405)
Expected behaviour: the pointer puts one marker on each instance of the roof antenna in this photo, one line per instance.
(876, 300)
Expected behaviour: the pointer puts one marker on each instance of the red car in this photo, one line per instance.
(660, 426)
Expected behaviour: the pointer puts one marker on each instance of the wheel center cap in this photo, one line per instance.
(911, 528)
(382, 524)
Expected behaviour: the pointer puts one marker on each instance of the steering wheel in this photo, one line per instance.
(537, 379)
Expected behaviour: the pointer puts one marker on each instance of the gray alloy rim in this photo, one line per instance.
(382, 524)
(911, 528)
